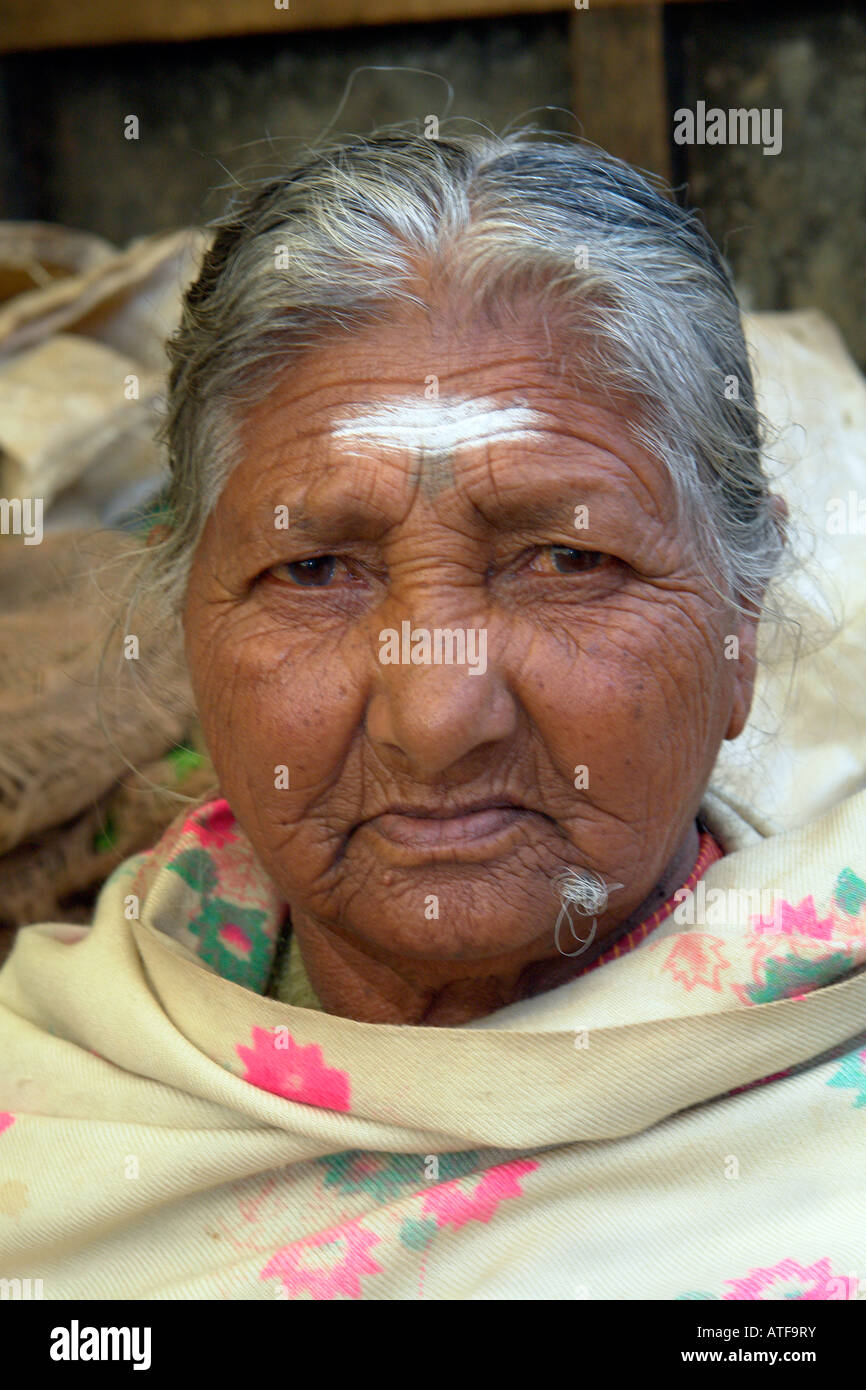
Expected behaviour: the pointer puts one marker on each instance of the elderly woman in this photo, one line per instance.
(469, 537)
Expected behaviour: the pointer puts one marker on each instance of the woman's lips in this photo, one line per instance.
(443, 832)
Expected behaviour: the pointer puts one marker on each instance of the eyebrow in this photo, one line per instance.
(530, 511)
(338, 519)
(350, 520)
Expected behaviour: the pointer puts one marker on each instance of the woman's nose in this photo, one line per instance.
(438, 695)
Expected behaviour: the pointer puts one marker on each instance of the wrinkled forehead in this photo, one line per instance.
(468, 466)
(393, 412)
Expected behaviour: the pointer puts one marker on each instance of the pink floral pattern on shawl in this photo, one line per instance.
(327, 1265)
(276, 1063)
(697, 959)
(788, 1279)
(451, 1205)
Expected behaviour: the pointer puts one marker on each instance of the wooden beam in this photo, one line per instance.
(38, 24)
(620, 83)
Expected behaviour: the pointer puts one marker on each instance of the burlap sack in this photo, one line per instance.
(82, 359)
(34, 254)
(56, 875)
(77, 707)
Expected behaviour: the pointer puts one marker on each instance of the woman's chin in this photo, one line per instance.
(448, 918)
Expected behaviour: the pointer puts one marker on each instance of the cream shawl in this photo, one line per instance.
(686, 1121)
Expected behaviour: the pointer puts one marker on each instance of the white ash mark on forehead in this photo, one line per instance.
(433, 430)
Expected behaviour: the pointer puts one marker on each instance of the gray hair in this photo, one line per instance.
(587, 893)
(608, 255)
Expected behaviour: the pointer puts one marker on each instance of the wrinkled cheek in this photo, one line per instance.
(623, 721)
(282, 734)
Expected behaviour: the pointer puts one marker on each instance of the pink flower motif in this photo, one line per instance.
(213, 824)
(696, 959)
(7, 1119)
(235, 939)
(276, 1063)
(451, 1205)
(810, 1282)
(338, 1261)
(802, 919)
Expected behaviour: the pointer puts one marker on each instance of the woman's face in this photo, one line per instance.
(451, 479)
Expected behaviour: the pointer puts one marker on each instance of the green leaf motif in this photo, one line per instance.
(234, 941)
(417, 1235)
(789, 975)
(196, 867)
(850, 892)
(386, 1177)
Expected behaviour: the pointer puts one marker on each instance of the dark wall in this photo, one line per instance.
(792, 225)
(247, 103)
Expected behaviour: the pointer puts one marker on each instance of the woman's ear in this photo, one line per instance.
(742, 645)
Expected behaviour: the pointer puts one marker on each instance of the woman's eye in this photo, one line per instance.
(314, 573)
(566, 560)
